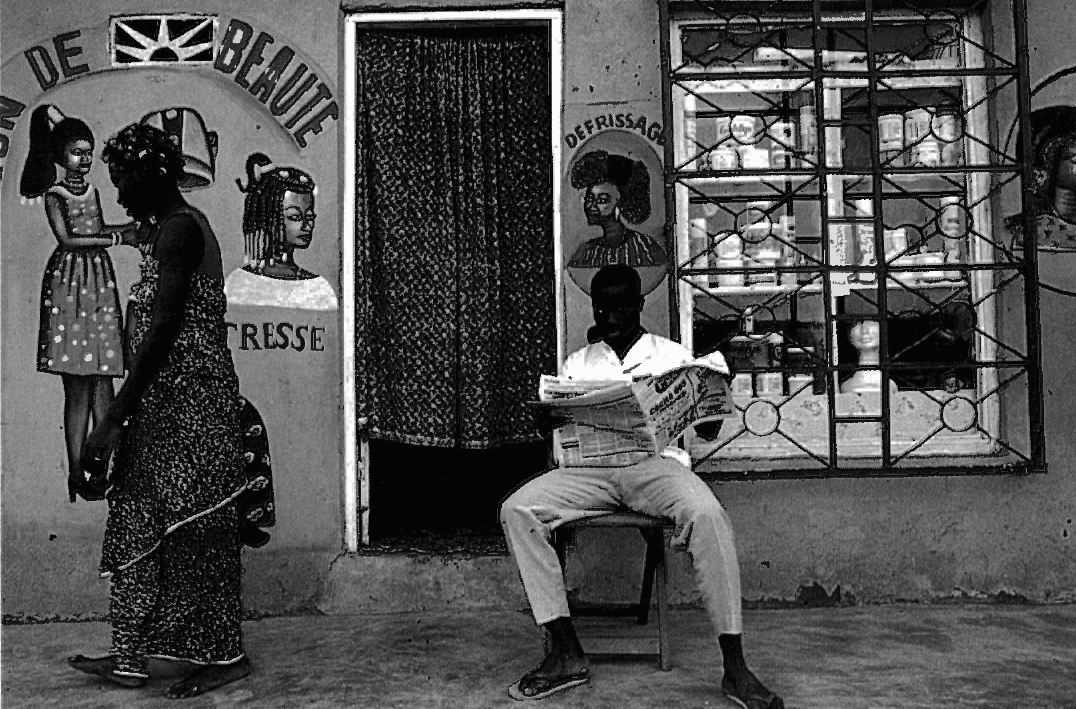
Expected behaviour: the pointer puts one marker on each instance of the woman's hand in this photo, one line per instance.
(129, 233)
(97, 449)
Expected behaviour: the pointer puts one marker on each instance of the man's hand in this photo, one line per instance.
(708, 430)
(546, 419)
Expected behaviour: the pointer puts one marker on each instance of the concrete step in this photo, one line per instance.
(605, 566)
(397, 582)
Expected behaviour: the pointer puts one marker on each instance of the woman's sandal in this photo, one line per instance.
(102, 667)
(207, 678)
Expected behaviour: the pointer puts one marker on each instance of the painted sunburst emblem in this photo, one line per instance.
(163, 39)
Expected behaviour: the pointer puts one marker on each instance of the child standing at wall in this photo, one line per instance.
(81, 331)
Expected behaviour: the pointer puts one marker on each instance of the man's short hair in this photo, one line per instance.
(617, 275)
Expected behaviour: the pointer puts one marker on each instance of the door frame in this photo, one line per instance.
(356, 441)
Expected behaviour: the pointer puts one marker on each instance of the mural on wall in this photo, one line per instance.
(1053, 158)
(615, 213)
(198, 145)
(79, 318)
(163, 39)
(81, 328)
(278, 219)
(290, 89)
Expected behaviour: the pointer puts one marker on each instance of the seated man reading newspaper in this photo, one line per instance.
(652, 480)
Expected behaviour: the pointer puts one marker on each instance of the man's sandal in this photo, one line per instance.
(748, 700)
(547, 686)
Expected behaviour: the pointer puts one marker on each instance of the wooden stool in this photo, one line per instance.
(653, 531)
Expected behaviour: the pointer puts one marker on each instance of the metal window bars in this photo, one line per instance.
(837, 184)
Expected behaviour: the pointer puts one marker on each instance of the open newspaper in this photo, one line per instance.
(622, 421)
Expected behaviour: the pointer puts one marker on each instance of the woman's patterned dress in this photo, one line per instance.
(172, 543)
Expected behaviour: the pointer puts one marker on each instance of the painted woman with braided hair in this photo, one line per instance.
(278, 218)
(172, 544)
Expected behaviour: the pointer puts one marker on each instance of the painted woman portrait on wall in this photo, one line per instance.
(278, 220)
(1053, 144)
(81, 333)
(615, 196)
(1053, 163)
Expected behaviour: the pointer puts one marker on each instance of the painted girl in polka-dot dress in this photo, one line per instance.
(81, 335)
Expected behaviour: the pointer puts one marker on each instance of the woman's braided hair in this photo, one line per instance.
(148, 150)
(263, 213)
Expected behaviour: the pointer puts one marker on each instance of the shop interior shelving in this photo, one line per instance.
(828, 169)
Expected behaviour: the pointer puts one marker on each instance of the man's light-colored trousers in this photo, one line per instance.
(657, 486)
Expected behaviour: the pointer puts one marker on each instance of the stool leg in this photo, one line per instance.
(653, 548)
(559, 541)
(663, 603)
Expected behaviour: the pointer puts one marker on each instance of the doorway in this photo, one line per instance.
(455, 289)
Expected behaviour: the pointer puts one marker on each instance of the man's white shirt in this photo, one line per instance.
(651, 354)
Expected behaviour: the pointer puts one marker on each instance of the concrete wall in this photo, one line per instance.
(878, 539)
(611, 70)
(50, 547)
(884, 539)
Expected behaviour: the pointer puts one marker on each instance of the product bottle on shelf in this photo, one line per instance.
(748, 132)
(767, 257)
(922, 145)
(760, 249)
(801, 358)
(840, 241)
(945, 127)
(953, 231)
(787, 229)
(891, 139)
(772, 383)
(933, 260)
(865, 240)
(723, 155)
(691, 147)
(728, 248)
(834, 136)
(698, 241)
(782, 139)
(808, 146)
(896, 243)
(706, 137)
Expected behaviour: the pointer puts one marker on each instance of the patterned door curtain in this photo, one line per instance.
(454, 230)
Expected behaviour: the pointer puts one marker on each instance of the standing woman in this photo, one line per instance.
(81, 331)
(171, 546)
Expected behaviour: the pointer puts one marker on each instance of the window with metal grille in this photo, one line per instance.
(836, 180)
